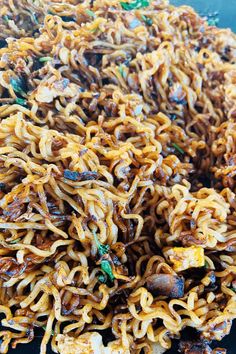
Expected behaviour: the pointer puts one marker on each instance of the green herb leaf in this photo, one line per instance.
(147, 20)
(106, 267)
(137, 4)
(45, 59)
(18, 85)
(178, 148)
(90, 13)
(21, 101)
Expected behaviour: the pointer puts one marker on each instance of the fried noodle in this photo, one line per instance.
(117, 175)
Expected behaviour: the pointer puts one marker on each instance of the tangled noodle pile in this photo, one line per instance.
(117, 175)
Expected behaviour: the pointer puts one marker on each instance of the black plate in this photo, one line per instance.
(225, 10)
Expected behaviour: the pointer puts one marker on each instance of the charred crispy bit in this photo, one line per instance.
(69, 306)
(80, 176)
(166, 284)
(2, 186)
(191, 347)
(14, 210)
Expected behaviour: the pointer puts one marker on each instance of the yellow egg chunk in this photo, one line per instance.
(185, 257)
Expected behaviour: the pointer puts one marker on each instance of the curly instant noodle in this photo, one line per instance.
(117, 175)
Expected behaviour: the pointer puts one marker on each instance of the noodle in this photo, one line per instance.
(117, 175)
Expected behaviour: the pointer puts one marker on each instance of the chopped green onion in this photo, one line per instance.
(102, 278)
(121, 70)
(90, 13)
(213, 21)
(21, 101)
(35, 20)
(178, 148)
(137, 4)
(147, 20)
(105, 264)
(106, 267)
(6, 18)
(14, 241)
(52, 332)
(102, 249)
(94, 30)
(18, 85)
(172, 116)
(45, 59)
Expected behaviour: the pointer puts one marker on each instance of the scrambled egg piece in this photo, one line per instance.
(185, 257)
(87, 343)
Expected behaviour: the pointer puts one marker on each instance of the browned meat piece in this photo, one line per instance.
(166, 284)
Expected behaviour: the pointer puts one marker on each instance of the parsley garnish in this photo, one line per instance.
(137, 4)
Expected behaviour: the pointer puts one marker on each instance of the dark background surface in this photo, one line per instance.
(225, 10)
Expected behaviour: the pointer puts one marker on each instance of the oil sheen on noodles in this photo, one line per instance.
(117, 175)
